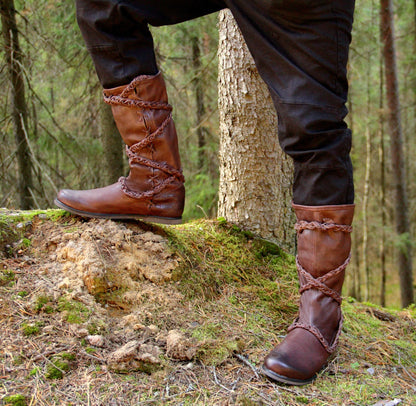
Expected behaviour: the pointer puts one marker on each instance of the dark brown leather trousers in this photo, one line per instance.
(300, 48)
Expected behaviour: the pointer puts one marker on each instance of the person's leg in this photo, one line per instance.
(117, 36)
(301, 48)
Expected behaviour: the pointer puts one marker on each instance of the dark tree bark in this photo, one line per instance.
(19, 107)
(382, 154)
(355, 288)
(397, 155)
(199, 98)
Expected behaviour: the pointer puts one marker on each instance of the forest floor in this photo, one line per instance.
(97, 312)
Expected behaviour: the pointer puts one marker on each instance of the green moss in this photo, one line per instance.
(23, 293)
(216, 255)
(29, 329)
(57, 369)
(41, 302)
(15, 400)
(26, 242)
(35, 371)
(7, 277)
(362, 388)
(56, 214)
(17, 216)
(97, 327)
(75, 312)
(215, 352)
(207, 331)
(69, 356)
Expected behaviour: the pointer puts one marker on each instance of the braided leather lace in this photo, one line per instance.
(134, 150)
(319, 283)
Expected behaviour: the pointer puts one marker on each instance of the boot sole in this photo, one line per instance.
(116, 216)
(284, 379)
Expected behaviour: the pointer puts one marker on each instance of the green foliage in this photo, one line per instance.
(56, 369)
(74, 312)
(29, 329)
(41, 302)
(69, 356)
(7, 277)
(96, 327)
(15, 400)
(216, 254)
(34, 372)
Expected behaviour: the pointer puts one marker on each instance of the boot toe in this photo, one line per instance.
(297, 359)
(65, 196)
(284, 369)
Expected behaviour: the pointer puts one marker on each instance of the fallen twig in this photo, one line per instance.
(248, 363)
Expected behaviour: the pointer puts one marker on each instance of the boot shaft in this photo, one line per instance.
(323, 247)
(141, 111)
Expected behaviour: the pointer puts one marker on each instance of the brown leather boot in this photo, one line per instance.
(324, 244)
(153, 190)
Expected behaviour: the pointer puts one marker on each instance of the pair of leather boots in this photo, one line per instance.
(154, 191)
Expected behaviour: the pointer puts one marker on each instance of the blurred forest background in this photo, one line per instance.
(71, 141)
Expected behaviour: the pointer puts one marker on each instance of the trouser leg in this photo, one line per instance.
(301, 56)
(301, 49)
(118, 38)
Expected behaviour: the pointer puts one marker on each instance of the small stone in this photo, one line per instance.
(149, 353)
(371, 371)
(134, 356)
(153, 329)
(125, 353)
(96, 340)
(48, 329)
(82, 332)
(179, 347)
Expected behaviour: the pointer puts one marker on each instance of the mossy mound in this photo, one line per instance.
(202, 302)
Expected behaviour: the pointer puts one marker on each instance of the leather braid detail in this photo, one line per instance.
(312, 329)
(316, 225)
(145, 142)
(319, 283)
(119, 101)
(144, 195)
(134, 150)
(124, 100)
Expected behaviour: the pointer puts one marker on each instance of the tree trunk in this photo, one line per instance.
(199, 99)
(396, 136)
(255, 176)
(112, 144)
(355, 288)
(18, 102)
(366, 195)
(382, 154)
